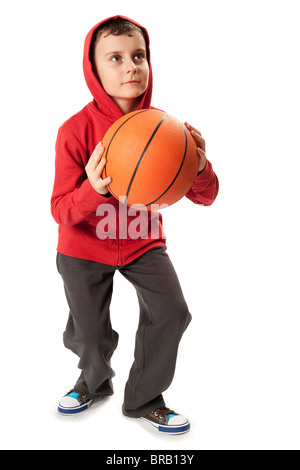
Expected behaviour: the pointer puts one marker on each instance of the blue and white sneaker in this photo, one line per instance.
(167, 421)
(74, 402)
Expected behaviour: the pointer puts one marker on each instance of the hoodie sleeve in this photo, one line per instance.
(205, 188)
(73, 198)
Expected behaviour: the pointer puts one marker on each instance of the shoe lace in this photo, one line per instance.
(162, 412)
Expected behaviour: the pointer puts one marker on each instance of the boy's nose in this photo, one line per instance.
(130, 67)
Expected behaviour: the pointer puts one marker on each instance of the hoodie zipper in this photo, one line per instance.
(119, 240)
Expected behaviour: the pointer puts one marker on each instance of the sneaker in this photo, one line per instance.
(74, 402)
(167, 421)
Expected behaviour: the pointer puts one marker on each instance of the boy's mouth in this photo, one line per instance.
(131, 82)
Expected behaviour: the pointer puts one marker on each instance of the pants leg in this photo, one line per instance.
(164, 316)
(89, 334)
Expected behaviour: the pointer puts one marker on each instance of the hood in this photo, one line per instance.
(102, 100)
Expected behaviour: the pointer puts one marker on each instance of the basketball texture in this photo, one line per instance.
(151, 158)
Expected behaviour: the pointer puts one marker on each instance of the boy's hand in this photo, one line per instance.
(200, 142)
(94, 170)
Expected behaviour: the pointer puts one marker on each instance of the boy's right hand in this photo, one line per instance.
(94, 170)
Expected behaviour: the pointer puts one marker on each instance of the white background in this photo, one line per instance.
(232, 70)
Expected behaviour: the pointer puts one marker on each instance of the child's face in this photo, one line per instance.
(121, 65)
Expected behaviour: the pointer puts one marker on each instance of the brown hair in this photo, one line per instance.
(116, 27)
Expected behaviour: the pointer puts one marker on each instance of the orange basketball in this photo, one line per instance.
(151, 158)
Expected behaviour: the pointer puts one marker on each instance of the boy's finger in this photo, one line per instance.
(191, 128)
(106, 181)
(199, 139)
(201, 152)
(198, 136)
(98, 151)
(100, 165)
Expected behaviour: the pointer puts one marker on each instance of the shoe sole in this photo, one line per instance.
(168, 429)
(75, 410)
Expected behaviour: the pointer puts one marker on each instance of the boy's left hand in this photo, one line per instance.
(200, 142)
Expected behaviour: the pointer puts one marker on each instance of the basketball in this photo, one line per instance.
(151, 158)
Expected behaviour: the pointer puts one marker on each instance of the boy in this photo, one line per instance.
(118, 72)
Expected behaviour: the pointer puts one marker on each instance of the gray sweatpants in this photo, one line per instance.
(164, 316)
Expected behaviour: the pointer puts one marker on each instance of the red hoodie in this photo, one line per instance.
(76, 206)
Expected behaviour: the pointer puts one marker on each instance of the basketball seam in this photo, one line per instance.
(143, 154)
(136, 114)
(181, 165)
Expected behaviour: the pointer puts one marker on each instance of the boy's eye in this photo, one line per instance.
(115, 58)
(139, 56)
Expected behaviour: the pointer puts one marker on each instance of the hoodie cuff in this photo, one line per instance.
(204, 174)
(89, 199)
